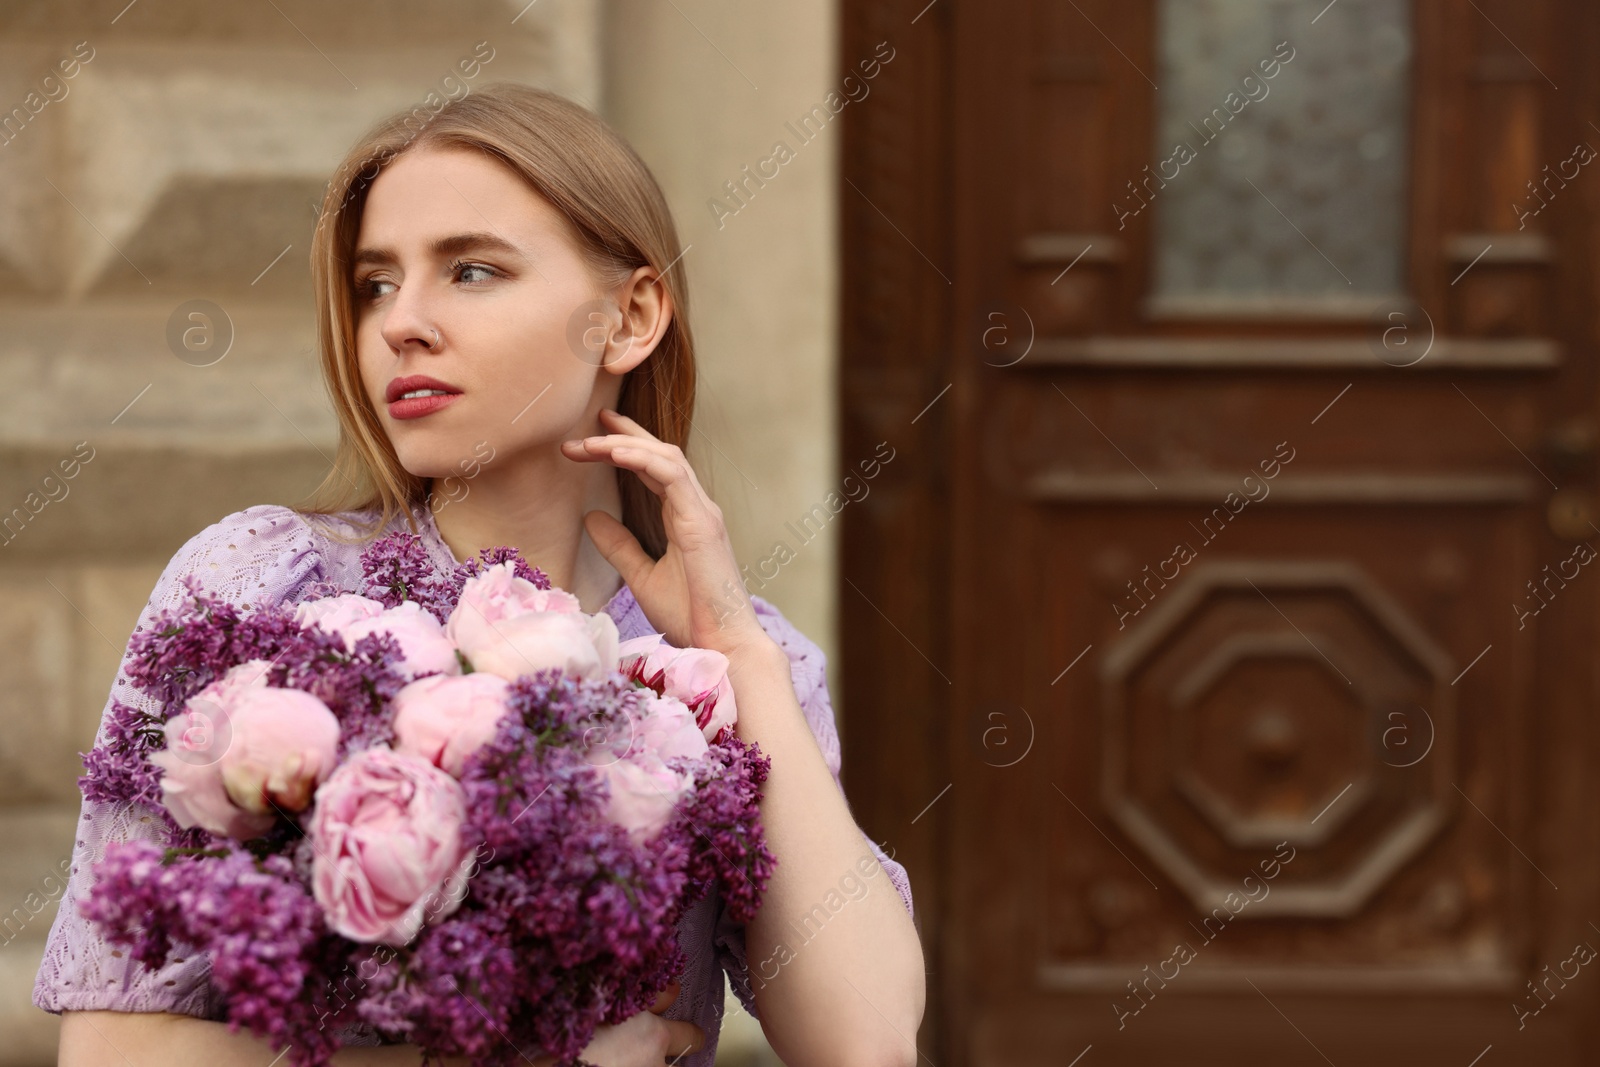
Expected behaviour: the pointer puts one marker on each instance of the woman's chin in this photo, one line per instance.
(436, 461)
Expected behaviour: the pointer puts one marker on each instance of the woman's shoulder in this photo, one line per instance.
(266, 552)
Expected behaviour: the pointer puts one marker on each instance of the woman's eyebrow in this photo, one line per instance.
(477, 241)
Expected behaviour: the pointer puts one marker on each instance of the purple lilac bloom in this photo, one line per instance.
(397, 569)
(116, 770)
(260, 927)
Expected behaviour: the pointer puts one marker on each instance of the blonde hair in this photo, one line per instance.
(619, 221)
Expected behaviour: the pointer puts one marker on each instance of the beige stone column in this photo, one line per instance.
(706, 90)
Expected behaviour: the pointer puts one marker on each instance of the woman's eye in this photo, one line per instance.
(372, 288)
(474, 273)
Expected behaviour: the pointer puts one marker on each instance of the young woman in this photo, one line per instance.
(503, 324)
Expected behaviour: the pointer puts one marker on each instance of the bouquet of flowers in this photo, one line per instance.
(454, 810)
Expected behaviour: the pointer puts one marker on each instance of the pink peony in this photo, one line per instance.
(643, 792)
(285, 744)
(444, 719)
(334, 613)
(241, 752)
(666, 727)
(696, 676)
(507, 626)
(658, 729)
(582, 645)
(241, 676)
(389, 851)
(424, 649)
(423, 646)
(497, 594)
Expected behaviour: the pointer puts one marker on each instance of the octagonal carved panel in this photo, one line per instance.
(1268, 736)
(1249, 707)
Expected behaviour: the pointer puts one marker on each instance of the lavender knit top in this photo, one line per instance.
(271, 554)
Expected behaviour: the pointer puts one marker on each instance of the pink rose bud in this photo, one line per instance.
(389, 854)
(240, 751)
(445, 718)
(424, 649)
(696, 676)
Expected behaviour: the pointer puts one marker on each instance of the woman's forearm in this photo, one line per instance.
(161, 1039)
(834, 984)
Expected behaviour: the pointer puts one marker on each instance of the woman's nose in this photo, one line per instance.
(409, 321)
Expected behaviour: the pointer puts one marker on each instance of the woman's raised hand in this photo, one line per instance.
(694, 593)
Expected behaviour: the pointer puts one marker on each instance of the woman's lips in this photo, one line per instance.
(418, 406)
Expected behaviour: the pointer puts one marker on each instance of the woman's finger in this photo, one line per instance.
(665, 998)
(668, 475)
(625, 424)
(603, 450)
(601, 445)
(676, 486)
(682, 1039)
(638, 436)
(644, 438)
(620, 548)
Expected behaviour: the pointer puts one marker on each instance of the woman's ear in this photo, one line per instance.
(646, 311)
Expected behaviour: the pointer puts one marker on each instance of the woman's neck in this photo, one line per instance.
(537, 507)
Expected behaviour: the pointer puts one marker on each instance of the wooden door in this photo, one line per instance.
(1220, 645)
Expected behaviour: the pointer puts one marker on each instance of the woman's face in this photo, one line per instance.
(465, 276)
